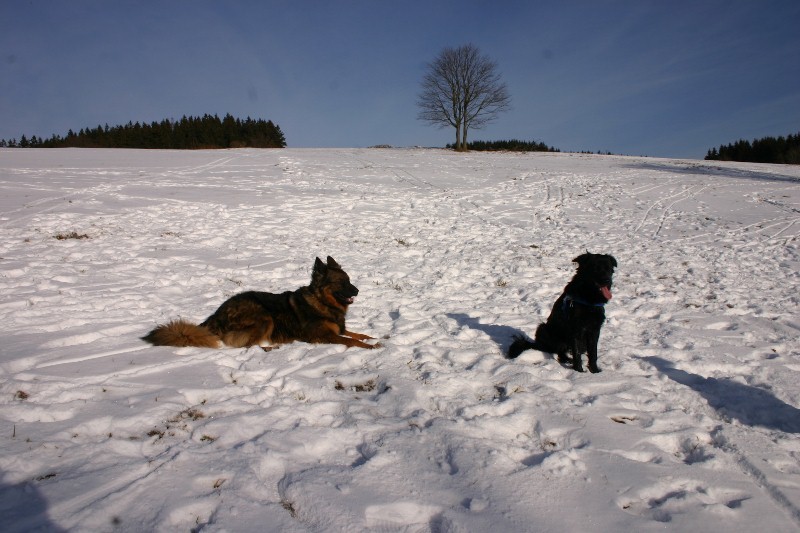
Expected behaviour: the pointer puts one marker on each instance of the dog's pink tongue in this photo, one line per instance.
(606, 292)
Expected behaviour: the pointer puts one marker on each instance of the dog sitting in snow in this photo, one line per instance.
(577, 316)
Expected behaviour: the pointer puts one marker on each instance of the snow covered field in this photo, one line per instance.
(693, 424)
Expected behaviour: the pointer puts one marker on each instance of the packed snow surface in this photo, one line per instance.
(692, 425)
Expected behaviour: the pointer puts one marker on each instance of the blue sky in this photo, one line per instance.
(658, 78)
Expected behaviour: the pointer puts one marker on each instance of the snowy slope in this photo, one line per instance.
(692, 426)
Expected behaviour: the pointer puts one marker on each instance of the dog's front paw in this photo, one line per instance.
(577, 368)
(594, 369)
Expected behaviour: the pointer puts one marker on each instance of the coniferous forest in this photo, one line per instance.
(188, 133)
(781, 150)
(512, 145)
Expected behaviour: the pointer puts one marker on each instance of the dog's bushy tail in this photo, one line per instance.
(182, 333)
(519, 345)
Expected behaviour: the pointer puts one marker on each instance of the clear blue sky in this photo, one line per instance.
(668, 78)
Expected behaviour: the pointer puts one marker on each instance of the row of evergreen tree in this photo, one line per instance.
(782, 150)
(512, 145)
(185, 134)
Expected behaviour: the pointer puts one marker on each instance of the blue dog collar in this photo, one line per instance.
(569, 300)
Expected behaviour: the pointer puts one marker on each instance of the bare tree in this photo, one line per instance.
(462, 89)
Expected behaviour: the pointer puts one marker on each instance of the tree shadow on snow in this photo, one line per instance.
(501, 335)
(712, 169)
(749, 405)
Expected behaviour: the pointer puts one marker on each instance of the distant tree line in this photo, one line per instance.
(188, 133)
(782, 150)
(512, 145)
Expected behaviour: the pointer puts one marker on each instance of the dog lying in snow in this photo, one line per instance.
(313, 314)
(577, 315)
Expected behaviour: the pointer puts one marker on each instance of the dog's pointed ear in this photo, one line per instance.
(319, 272)
(332, 263)
(613, 260)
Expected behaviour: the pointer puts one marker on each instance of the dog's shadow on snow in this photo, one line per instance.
(749, 405)
(503, 336)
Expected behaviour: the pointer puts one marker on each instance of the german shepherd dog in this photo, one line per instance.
(314, 313)
(577, 316)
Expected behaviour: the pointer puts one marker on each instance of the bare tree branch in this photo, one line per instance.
(462, 89)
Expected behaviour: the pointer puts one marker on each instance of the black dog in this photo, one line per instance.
(577, 316)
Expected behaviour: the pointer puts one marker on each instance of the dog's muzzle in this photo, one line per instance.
(348, 296)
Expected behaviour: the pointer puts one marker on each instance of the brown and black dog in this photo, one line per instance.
(314, 313)
(577, 315)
